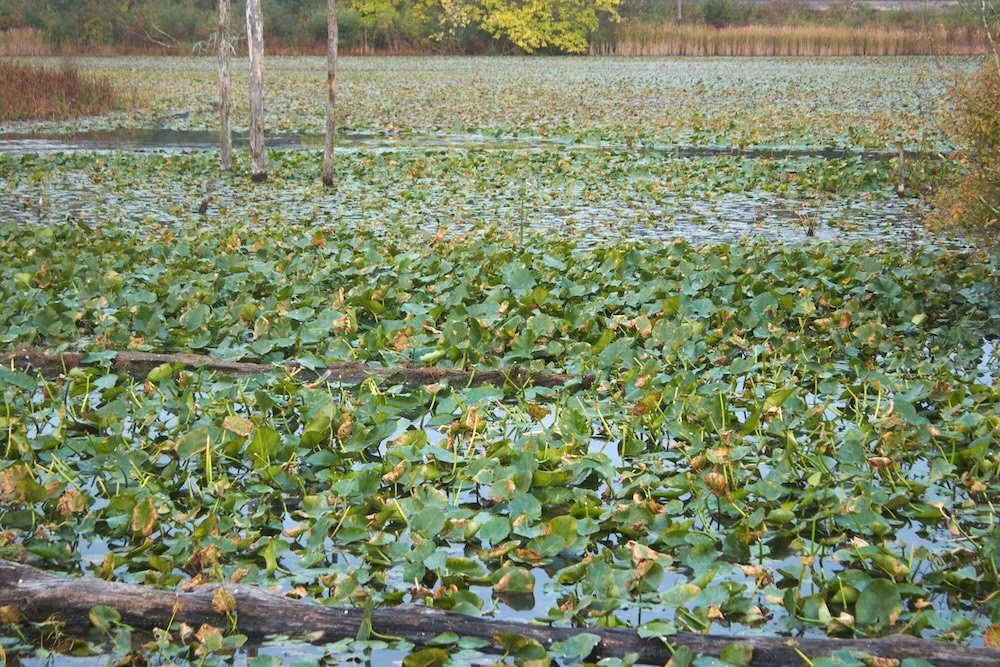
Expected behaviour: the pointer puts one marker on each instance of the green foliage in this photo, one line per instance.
(719, 13)
(565, 26)
(863, 425)
(556, 25)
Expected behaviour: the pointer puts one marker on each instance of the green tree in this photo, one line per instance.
(449, 18)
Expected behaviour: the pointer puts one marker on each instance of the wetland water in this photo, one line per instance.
(526, 198)
(173, 140)
(456, 146)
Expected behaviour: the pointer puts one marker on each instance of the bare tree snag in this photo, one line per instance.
(38, 596)
(901, 171)
(206, 197)
(680, 10)
(225, 79)
(139, 364)
(255, 43)
(331, 91)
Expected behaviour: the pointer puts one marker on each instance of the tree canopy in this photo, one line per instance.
(529, 25)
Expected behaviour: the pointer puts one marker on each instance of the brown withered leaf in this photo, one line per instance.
(395, 474)
(538, 412)
(400, 341)
(203, 559)
(346, 425)
(144, 518)
(717, 484)
(238, 425)
(223, 601)
(9, 615)
(70, 503)
(881, 662)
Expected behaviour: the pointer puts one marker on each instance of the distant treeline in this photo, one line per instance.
(494, 26)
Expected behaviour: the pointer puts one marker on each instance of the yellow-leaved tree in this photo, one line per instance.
(538, 24)
(530, 25)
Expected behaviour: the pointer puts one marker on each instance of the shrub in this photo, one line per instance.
(720, 13)
(31, 92)
(970, 201)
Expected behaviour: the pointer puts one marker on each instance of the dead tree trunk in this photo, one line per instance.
(37, 596)
(901, 171)
(139, 364)
(331, 91)
(225, 79)
(680, 10)
(255, 43)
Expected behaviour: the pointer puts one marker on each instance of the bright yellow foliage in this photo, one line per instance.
(537, 24)
(530, 25)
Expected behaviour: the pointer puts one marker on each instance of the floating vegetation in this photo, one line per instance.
(587, 194)
(791, 439)
(826, 102)
(792, 430)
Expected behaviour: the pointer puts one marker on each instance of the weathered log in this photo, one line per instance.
(331, 92)
(139, 364)
(255, 43)
(37, 596)
(225, 79)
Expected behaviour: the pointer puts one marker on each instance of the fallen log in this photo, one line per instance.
(38, 596)
(139, 364)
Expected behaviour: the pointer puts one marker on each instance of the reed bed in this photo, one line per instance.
(29, 92)
(23, 42)
(637, 39)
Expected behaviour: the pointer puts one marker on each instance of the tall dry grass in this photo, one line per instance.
(642, 39)
(29, 92)
(23, 42)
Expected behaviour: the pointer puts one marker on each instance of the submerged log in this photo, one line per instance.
(38, 596)
(139, 364)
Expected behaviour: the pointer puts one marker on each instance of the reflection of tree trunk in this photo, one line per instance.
(225, 78)
(139, 364)
(38, 596)
(331, 90)
(255, 42)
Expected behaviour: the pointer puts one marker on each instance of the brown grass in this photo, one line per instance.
(29, 92)
(23, 42)
(638, 39)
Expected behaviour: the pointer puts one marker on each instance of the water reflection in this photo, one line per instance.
(172, 140)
